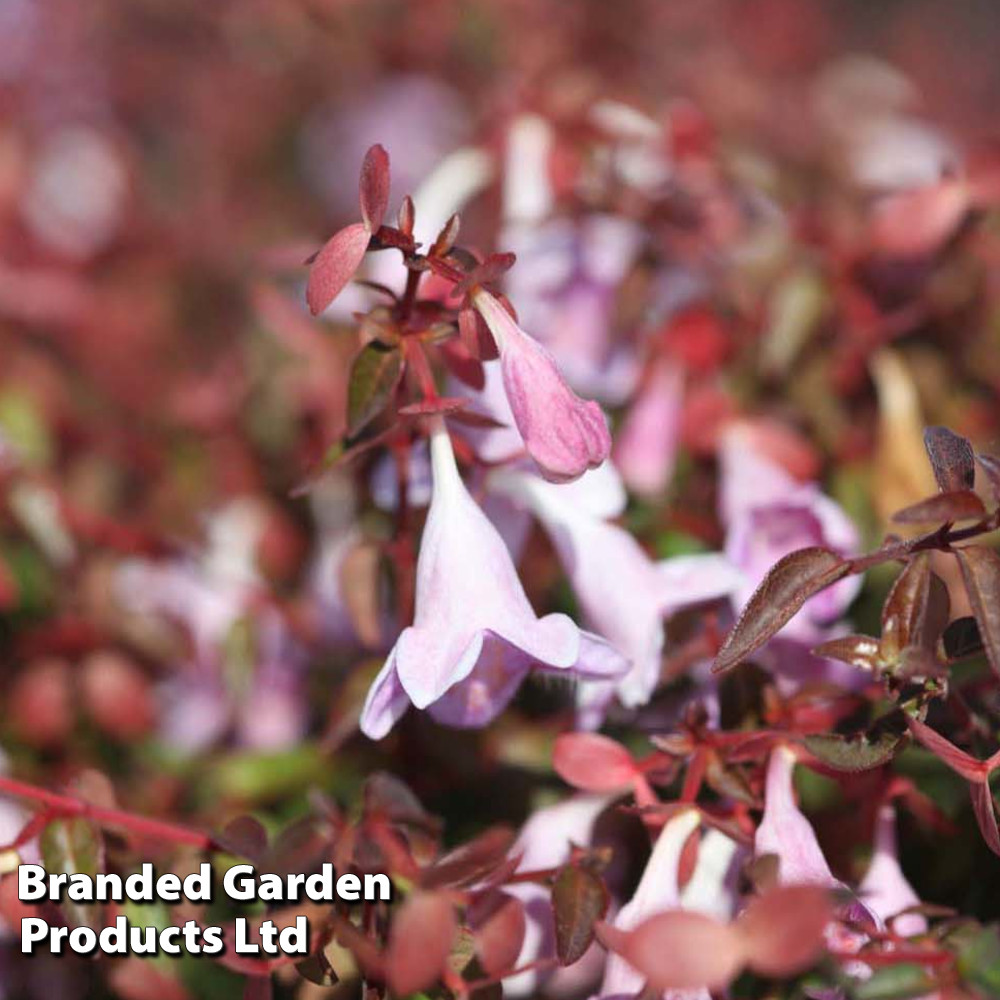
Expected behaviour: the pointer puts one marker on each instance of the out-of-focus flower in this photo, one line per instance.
(884, 888)
(646, 447)
(767, 515)
(76, 198)
(563, 434)
(658, 891)
(624, 595)
(545, 841)
(475, 635)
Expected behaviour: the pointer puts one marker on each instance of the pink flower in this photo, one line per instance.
(647, 445)
(475, 635)
(785, 832)
(768, 514)
(658, 891)
(563, 434)
(885, 889)
(624, 595)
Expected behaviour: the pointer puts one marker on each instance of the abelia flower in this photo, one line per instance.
(546, 841)
(646, 448)
(768, 514)
(658, 891)
(564, 434)
(785, 832)
(624, 595)
(474, 635)
(884, 888)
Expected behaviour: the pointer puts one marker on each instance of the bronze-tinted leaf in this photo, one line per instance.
(952, 459)
(471, 862)
(374, 187)
(580, 899)
(852, 755)
(498, 923)
(374, 376)
(74, 847)
(960, 505)
(981, 573)
(245, 837)
(860, 651)
(423, 931)
(592, 762)
(787, 586)
(784, 929)
(334, 266)
(446, 238)
(916, 611)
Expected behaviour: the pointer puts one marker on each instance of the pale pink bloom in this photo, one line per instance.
(646, 447)
(623, 593)
(563, 434)
(545, 842)
(473, 624)
(785, 832)
(768, 514)
(884, 888)
(658, 891)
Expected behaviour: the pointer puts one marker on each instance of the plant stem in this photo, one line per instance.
(67, 805)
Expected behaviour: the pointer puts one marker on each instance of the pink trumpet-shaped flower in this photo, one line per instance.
(785, 832)
(564, 434)
(658, 891)
(885, 889)
(474, 635)
(623, 594)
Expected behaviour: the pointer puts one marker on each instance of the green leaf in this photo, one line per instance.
(71, 847)
(580, 899)
(979, 960)
(859, 754)
(374, 376)
(894, 982)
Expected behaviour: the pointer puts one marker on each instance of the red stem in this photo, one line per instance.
(67, 805)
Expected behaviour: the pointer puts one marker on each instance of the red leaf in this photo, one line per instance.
(335, 265)
(783, 929)
(592, 762)
(961, 505)
(404, 220)
(420, 941)
(374, 188)
(951, 458)
(981, 573)
(471, 862)
(579, 899)
(463, 365)
(498, 923)
(679, 950)
(788, 585)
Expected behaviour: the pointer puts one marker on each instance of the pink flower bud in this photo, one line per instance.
(564, 434)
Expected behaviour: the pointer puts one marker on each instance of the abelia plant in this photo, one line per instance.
(569, 538)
